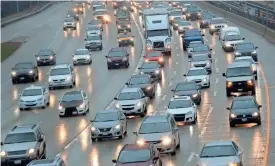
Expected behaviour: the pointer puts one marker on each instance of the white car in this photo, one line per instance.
(192, 45)
(201, 60)
(216, 24)
(199, 75)
(61, 75)
(132, 101)
(183, 109)
(230, 41)
(34, 97)
(82, 56)
(73, 103)
(183, 26)
(93, 42)
(69, 22)
(94, 30)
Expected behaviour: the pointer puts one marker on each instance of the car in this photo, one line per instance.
(183, 109)
(61, 75)
(226, 30)
(192, 45)
(201, 60)
(82, 56)
(57, 161)
(175, 14)
(94, 30)
(99, 6)
(198, 75)
(230, 41)
(156, 56)
(123, 26)
(174, 4)
(93, 42)
(74, 102)
(222, 152)
(205, 19)
(95, 23)
(103, 16)
(69, 23)
(127, 6)
(133, 154)
(34, 97)
(73, 14)
(216, 24)
(132, 101)
(117, 57)
(125, 39)
(23, 144)
(78, 8)
(243, 110)
(201, 49)
(188, 89)
(122, 15)
(190, 36)
(24, 71)
(183, 26)
(160, 129)
(176, 23)
(45, 56)
(110, 123)
(193, 13)
(117, 4)
(239, 78)
(246, 49)
(143, 81)
(152, 68)
(251, 61)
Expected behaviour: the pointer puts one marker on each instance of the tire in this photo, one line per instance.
(100, 48)
(64, 29)
(211, 33)
(43, 107)
(142, 114)
(228, 93)
(93, 139)
(174, 152)
(232, 124)
(109, 67)
(74, 28)
(71, 86)
(253, 92)
(259, 122)
(21, 109)
(34, 79)
(14, 82)
(61, 116)
(119, 45)
(74, 83)
(256, 77)
(195, 120)
(127, 66)
(121, 136)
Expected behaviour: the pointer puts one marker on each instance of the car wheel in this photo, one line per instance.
(64, 29)
(178, 146)
(173, 153)
(71, 86)
(256, 77)
(259, 122)
(21, 109)
(119, 45)
(228, 93)
(121, 136)
(61, 116)
(253, 92)
(93, 139)
(43, 107)
(14, 82)
(127, 65)
(109, 67)
(232, 124)
(74, 83)
(33, 78)
(195, 119)
(211, 33)
(142, 114)
(100, 48)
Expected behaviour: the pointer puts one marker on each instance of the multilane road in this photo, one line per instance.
(70, 137)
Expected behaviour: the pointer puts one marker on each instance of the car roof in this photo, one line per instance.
(186, 83)
(196, 68)
(217, 18)
(231, 33)
(240, 98)
(218, 143)
(140, 76)
(23, 128)
(125, 35)
(180, 98)
(153, 62)
(58, 66)
(157, 117)
(82, 49)
(239, 64)
(243, 43)
(117, 49)
(34, 87)
(108, 111)
(136, 146)
(244, 58)
(73, 92)
(125, 90)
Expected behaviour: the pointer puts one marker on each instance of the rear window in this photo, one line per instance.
(218, 21)
(134, 156)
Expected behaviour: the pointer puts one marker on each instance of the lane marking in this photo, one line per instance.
(163, 97)
(190, 158)
(56, 34)
(217, 80)
(170, 84)
(177, 62)
(215, 93)
(206, 119)
(178, 54)
(217, 70)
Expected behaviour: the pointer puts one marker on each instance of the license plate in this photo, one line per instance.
(240, 90)
(22, 78)
(244, 119)
(17, 162)
(117, 64)
(74, 112)
(105, 134)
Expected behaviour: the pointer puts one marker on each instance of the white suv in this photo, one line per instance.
(199, 75)
(61, 75)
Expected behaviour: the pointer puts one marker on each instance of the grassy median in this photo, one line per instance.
(8, 48)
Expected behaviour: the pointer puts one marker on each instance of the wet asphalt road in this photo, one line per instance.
(71, 136)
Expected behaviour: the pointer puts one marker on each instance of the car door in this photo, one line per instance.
(175, 130)
(40, 143)
(46, 94)
(143, 97)
(239, 151)
(123, 120)
(72, 72)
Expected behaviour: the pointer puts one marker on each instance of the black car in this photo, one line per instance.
(193, 13)
(152, 68)
(239, 78)
(244, 109)
(73, 14)
(24, 71)
(123, 25)
(205, 19)
(117, 57)
(188, 89)
(45, 57)
(246, 49)
(143, 81)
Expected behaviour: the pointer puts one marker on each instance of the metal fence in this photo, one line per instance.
(262, 14)
(12, 7)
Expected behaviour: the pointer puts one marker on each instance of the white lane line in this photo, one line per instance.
(217, 70)
(205, 122)
(163, 97)
(177, 62)
(203, 131)
(217, 80)
(215, 93)
(216, 61)
(178, 54)
(170, 84)
(175, 72)
(177, 48)
(190, 158)
(56, 34)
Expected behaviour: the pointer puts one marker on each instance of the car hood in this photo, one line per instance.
(192, 38)
(108, 124)
(82, 56)
(57, 77)
(30, 98)
(128, 102)
(242, 78)
(200, 52)
(184, 26)
(233, 42)
(200, 62)
(146, 163)
(68, 22)
(245, 50)
(153, 136)
(185, 93)
(218, 161)
(22, 70)
(18, 146)
(71, 104)
(191, 78)
(148, 70)
(244, 111)
(116, 58)
(157, 38)
(180, 110)
(138, 86)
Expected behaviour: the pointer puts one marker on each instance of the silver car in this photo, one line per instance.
(57, 161)
(93, 42)
(69, 22)
(192, 45)
(199, 75)
(94, 30)
(201, 60)
(223, 153)
(109, 124)
(82, 56)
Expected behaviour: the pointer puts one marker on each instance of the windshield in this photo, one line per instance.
(200, 48)
(116, 53)
(122, 14)
(197, 72)
(185, 23)
(243, 46)
(218, 21)
(251, 61)
(100, 12)
(20, 138)
(93, 28)
(45, 53)
(239, 71)
(162, 32)
(200, 58)
(60, 71)
(232, 37)
(134, 156)
(139, 80)
(176, 13)
(218, 151)
(193, 33)
(243, 104)
(185, 87)
(69, 20)
(93, 38)
(72, 97)
(160, 127)
(193, 9)
(149, 66)
(207, 16)
(105, 117)
(32, 92)
(129, 96)
(195, 44)
(23, 66)
(81, 52)
(154, 54)
(179, 104)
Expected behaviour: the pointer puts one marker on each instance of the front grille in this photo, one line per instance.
(200, 65)
(244, 116)
(158, 45)
(20, 152)
(179, 117)
(61, 80)
(81, 60)
(30, 101)
(129, 108)
(70, 110)
(246, 54)
(128, 105)
(105, 130)
(239, 84)
(117, 61)
(154, 142)
(219, 26)
(198, 81)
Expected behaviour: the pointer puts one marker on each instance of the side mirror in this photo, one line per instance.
(227, 108)
(176, 129)
(90, 53)
(91, 120)
(128, 54)
(115, 98)
(202, 35)
(172, 90)
(35, 55)
(85, 39)
(189, 60)
(260, 106)
(240, 152)
(184, 75)
(196, 155)
(114, 160)
(126, 83)
(256, 47)
(2, 143)
(211, 49)
(244, 38)
(106, 56)
(139, 68)
(223, 74)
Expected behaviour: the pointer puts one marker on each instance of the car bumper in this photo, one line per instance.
(31, 105)
(117, 64)
(124, 29)
(184, 117)
(42, 62)
(91, 47)
(130, 111)
(69, 26)
(76, 111)
(109, 134)
(23, 77)
(60, 84)
(240, 89)
(84, 61)
(245, 120)
(126, 42)
(165, 148)
(16, 160)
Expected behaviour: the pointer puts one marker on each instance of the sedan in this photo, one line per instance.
(151, 68)
(82, 56)
(24, 71)
(246, 49)
(155, 56)
(108, 124)
(201, 60)
(183, 26)
(198, 75)
(205, 19)
(117, 57)
(224, 152)
(96, 23)
(145, 82)
(201, 49)
(69, 22)
(45, 56)
(93, 42)
(244, 109)
(94, 30)
(192, 45)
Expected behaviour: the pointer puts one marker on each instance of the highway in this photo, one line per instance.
(70, 137)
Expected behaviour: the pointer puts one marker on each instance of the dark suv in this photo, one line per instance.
(45, 56)
(134, 154)
(24, 71)
(239, 78)
(117, 57)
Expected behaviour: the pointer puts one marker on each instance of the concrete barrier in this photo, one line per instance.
(264, 31)
(5, 23)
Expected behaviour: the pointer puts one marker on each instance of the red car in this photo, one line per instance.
(117, 57)
(138, 155)
(155, 56)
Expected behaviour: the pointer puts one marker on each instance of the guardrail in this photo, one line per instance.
(251, 10)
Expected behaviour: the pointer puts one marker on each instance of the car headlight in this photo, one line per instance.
(227, 45)
(176, 96)
(204, 80)
(148, 87)
(208, 64)
(167, 141)
(138, 104)
(38, 58)
(255, 114)
(22, 100)
(232, 164)
(82, 105)
(88, 57)
(254, 67)
(141, 72)
(250, 82)
(128, 26)
(119, 26)
(31, 72)
(161, 59)
(140, 142)
(157, 71)
(51, 57)
(50, 80)
(188, 14)
(93, 128)
(195, 95)
(69, 78)
(189, 113)
(192, 65)
(74, 58)
(60, 107)
(3, 154)
(233, 115)
(109, 60)
(117, 126)
(124, 59)
(168, 40)
(13, 73)
(31, 151)
(228, 84)
(225, 26)
(117, 105)
(238, 53)
(40, 99)
(212, 27)
(254, 52)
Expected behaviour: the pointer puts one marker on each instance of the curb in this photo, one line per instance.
(3, 24)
